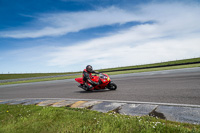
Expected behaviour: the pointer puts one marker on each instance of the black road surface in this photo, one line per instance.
(180, 86)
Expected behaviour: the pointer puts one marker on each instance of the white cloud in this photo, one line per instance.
(62, 23)
(117, 50)
(174, 35)
(176, 16)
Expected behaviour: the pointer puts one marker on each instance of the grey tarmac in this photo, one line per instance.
(181, 86)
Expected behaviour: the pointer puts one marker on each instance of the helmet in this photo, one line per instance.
(89, 68)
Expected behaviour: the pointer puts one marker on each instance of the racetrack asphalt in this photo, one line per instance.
(180, 86)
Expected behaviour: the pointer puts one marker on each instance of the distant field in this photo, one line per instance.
(30, 75)
(154, 69)
(110, 73)
(119, 70)
(169, 63)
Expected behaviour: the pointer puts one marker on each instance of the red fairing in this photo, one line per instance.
(79, 80)
(103, 79)
(95, 78)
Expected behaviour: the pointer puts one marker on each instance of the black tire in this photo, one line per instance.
(112, 86)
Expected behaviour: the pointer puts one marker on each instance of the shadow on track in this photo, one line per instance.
(94, 91)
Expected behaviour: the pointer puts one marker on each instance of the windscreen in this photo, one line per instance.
(102, 76)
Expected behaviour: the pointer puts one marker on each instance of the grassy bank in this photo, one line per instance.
(110, 73)
(155, 64)
(18, 76)
(155, 69)
(30, 75)
(40, 80)
(31, 118)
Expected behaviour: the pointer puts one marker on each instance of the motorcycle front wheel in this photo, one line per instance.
(112, 86)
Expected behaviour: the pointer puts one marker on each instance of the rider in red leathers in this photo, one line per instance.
(87, 75)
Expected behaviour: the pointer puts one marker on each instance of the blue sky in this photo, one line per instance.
(66, 35)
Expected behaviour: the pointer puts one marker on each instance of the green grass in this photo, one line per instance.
(40, 80)
(30, 75)
(16, 76)
(155, 64)
(154, 69)
(110, 73)
(36, 119)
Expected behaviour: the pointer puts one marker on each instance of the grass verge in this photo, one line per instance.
(34, 119)
(154, 69)
(110, 73)
(39, 80)
(30, 75)
(155, 64)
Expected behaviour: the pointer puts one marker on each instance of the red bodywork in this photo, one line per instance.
(105, 80)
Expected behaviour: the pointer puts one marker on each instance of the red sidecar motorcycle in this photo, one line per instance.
(104, 82)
